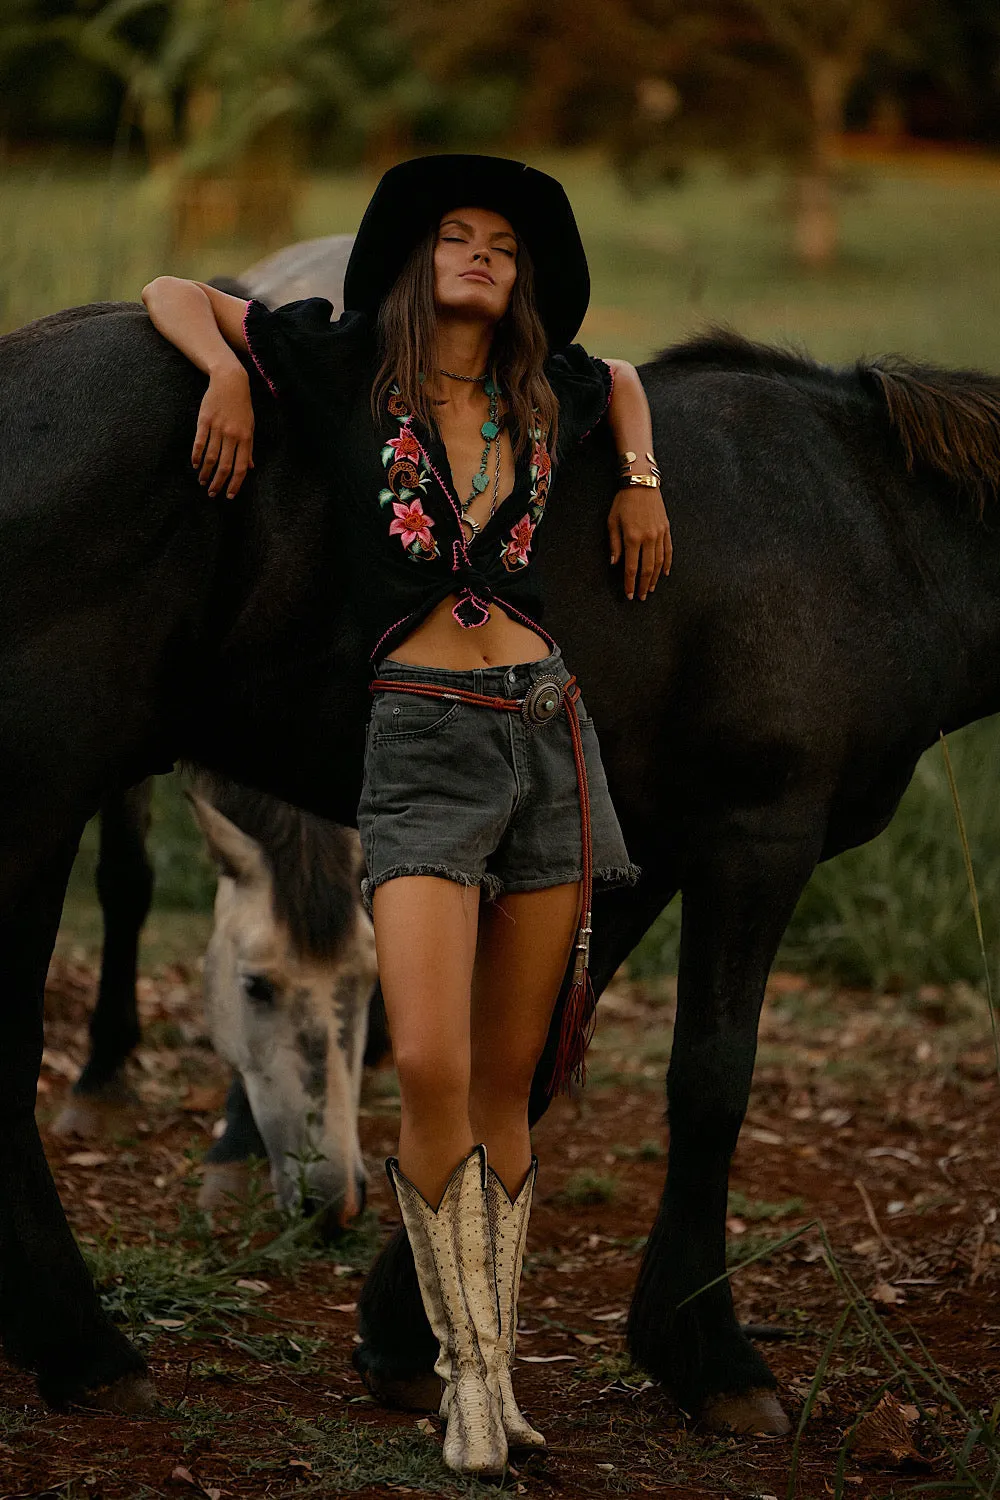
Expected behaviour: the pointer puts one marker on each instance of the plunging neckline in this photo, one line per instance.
(437, 448)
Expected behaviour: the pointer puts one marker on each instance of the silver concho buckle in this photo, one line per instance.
(543, 702)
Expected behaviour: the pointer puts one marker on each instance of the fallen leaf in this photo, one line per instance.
(888, 1295)
(168, 1323)
(425, 1424)
(184, 1476)
(550, 1302)
(882, 1439)
(735, 1225)
(545, 1359)
(87, 1159)
(897, 1153)
(345, 1307)
(609, 1317)
(763, 1137)
(248, 1284)
(588, 1338)
(300, 1463)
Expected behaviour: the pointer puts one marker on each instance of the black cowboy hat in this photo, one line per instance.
(410, 200)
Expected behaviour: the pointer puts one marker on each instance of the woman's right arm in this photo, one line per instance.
(207, 326)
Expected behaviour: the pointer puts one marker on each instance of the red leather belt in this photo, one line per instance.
(546, 699)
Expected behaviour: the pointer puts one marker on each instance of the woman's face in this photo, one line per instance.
(475, 263)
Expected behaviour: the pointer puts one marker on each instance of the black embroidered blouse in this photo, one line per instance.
(406, 548)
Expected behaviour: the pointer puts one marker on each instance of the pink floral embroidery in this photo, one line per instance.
(405, 446)
(411, 525)
(516, 551)
(407, 475)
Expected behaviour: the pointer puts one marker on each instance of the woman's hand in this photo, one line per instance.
(638, 526)
(223, 445)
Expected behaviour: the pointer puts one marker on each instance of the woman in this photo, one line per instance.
(442, 401)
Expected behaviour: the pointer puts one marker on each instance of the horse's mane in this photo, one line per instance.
(313, 863)
(949, 419)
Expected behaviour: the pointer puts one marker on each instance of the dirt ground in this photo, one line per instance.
(876, 1115)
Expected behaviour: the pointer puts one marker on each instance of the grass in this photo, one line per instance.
(354, 1455)
(918, 273)
(585, 1187)
(186, 1279)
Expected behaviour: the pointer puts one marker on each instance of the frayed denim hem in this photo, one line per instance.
(615, 875)
(489, 885)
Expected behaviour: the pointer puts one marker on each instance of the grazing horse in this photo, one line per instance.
(289, 976)
(834, 602)
(289, 971)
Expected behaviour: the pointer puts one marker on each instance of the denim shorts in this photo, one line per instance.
(481, 796)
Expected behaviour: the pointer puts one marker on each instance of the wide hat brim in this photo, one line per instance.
(410, 200)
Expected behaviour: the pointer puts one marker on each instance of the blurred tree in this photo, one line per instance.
(221, 91)
(655, 78)
(220, 97)
(829, 43)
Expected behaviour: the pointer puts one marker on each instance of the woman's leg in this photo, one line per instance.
(525, 941)
(425, 937)
(425, 932)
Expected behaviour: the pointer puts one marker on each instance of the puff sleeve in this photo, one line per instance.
(304, 357)
(583, 386)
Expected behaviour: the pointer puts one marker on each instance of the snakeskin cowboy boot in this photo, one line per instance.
(509, 1228)
(454, 1261)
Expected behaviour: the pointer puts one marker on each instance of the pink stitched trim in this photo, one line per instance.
(458, 552)
(475, 599)
(611, 371)
(389, 632)
(273, 388)
(509, 608)
(448, 495)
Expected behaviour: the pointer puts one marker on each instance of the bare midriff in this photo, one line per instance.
(439, 641)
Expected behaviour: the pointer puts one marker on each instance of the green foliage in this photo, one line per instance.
(586, 1187)
(757, 1209)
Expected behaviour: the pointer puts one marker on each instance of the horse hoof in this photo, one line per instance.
(417, 1393)
(747, 1411)
(223, 1184)
(132, 1395)
(94, 1119)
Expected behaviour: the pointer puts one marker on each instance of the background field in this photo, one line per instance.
(919, 274)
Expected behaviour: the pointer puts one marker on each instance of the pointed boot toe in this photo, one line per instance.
(474, 1439)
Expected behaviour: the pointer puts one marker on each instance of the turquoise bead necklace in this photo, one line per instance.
(491, 432)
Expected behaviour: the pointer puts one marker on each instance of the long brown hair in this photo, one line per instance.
(407, 325)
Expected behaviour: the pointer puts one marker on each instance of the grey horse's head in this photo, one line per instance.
(289, 971)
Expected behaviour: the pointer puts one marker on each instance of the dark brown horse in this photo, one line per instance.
(835, 601)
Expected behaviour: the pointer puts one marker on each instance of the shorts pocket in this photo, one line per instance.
(405, 716)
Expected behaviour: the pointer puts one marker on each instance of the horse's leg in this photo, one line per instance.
(225, 1173)
(125, 887)
(738, 897)
(397, 1351)
(50, 1318)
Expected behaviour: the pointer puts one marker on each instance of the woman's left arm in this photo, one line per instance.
(637, 523)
